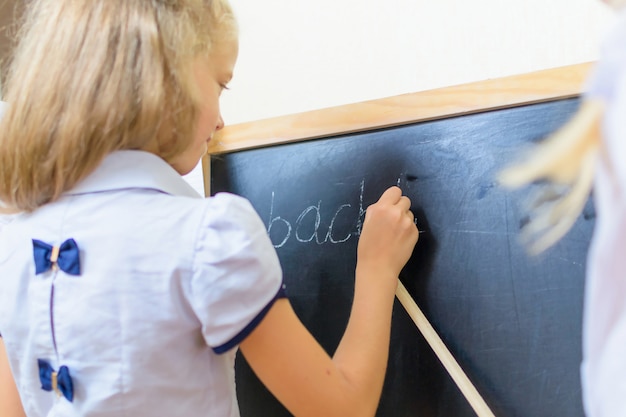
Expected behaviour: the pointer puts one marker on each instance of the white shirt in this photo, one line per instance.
(169, 281)
(604, 330)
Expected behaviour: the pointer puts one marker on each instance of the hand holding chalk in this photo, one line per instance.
(389, 234)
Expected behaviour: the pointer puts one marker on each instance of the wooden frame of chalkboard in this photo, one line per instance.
(529, 88)
(512, 321)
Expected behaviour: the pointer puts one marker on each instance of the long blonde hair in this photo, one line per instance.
(94, 76)
(566, 160)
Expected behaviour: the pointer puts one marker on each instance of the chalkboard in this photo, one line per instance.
(511, 320)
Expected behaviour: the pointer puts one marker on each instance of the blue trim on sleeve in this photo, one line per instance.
(282, 293)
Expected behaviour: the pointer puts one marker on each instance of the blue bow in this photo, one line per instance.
(65, 257)
(59, 382)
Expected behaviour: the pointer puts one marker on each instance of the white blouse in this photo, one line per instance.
(170, 284)
(604, 330)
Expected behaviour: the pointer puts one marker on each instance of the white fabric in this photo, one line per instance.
(166, 276)
(604, 331)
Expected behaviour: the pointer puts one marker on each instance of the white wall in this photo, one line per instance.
(300, 55)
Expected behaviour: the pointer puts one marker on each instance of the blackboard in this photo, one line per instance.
(511, 320)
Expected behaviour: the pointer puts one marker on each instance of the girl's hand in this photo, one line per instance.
(389, 234)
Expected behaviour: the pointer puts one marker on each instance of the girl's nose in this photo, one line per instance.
(220, 123)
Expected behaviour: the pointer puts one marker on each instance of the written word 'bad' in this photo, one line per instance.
(308, 225)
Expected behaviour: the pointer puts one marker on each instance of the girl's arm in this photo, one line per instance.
(10, 404)
(292, 364)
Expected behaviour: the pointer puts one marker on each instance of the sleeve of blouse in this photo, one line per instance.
(237, 275)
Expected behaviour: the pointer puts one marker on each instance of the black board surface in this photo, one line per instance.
(512, 321)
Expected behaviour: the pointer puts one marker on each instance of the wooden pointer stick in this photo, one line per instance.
(462, 381)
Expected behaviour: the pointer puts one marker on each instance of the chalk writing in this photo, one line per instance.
(281, 220)
(308, 225)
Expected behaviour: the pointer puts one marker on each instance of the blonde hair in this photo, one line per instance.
(566, 160)
(94, 76)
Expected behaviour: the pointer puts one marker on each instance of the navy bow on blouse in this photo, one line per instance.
(65, 257)
(59, 382)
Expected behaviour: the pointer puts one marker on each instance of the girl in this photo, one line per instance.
(592, 146)
(121, 291)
